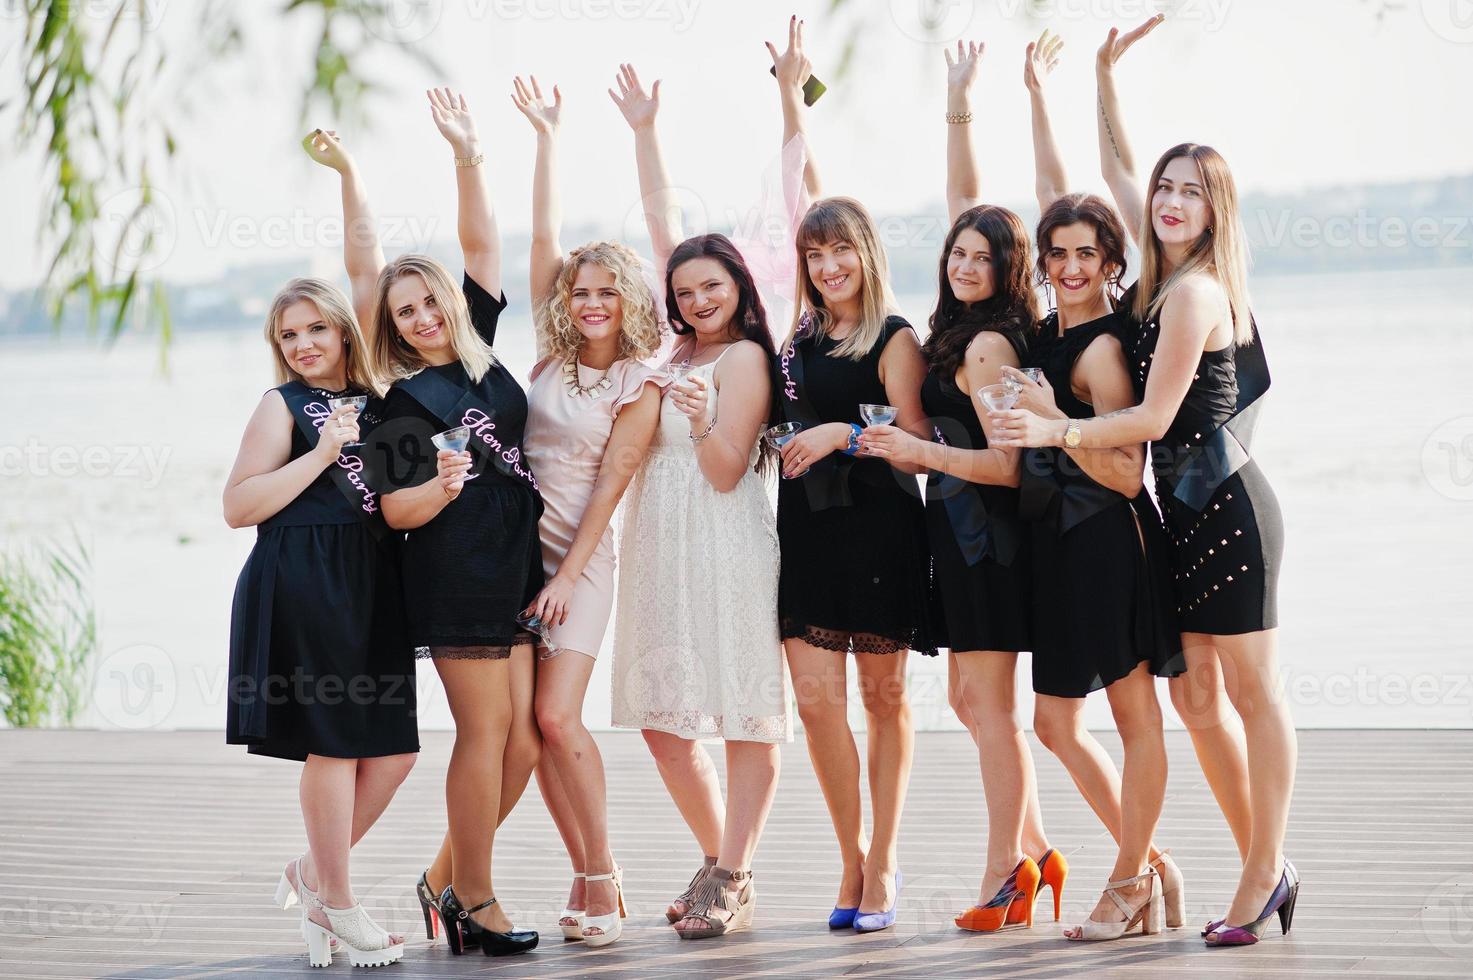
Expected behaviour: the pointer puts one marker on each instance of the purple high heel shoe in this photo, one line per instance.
(1281, 901)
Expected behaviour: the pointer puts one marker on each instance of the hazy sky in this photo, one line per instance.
(1294, 94)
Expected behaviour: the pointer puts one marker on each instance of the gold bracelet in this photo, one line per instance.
(959, 117)
(474, 161)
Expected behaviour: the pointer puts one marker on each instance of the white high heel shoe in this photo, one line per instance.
(1173, 889)
(1149, 914)
(367, 944)
(611, 925)
(574, 929)
(288, 894)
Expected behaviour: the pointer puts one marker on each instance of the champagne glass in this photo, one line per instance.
(878, 414)
(781, 434)
(998, 397)
(533, 623)
(357, 403)
(456, 440)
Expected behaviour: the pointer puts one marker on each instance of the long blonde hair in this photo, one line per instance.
(393, 356)
(639, 333)
(1221, 251)
(843, 219)
(333, 307)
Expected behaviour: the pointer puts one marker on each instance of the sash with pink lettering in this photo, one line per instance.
(456, 405)
(310, 409)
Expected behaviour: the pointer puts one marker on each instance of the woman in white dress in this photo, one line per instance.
(696, 646)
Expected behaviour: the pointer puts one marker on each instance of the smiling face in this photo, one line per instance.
(595, 303)
(311, 346)
(836, 271)
(1075, 264)
(969, 268)
(706, 296)
(1180, 213)
(417, 316)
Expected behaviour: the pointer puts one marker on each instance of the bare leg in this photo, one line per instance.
(954, 697)
(480, 701)
(1059, 724)
(891, 745)
(523, 743)
(819, 686)
(985, 681)
(578, 780)
(1201, 699)
(326, 793)
(1143, 787)
(690, 779)
(1251, 667)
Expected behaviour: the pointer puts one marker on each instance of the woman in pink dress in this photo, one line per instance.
(592, 410)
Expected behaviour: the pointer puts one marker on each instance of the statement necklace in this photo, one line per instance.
(577, 389)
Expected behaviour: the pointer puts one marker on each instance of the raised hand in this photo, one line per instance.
(1116, 44)
(638, 108)
(324, 146)
(793, 66)
(1041, 59)
(961, 69)
(528, 98)
(454, 120)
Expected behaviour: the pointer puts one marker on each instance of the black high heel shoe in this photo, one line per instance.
(463, 932)
(429, 907)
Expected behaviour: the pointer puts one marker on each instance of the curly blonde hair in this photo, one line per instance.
(639, 333)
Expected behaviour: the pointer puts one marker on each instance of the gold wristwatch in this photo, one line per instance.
(1072, 436)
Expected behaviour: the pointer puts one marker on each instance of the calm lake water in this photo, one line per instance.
(1367, 437)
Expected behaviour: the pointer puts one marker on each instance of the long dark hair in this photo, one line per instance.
(748, 323)
(1012, 309)
(1095, 211)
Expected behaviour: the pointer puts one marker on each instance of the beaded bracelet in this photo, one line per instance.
(959, 117)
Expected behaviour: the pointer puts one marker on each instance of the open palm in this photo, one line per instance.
(639, 108)
(961, 69)
(1041, 59)
(527, 96)
(453, 119)
(1116, 44)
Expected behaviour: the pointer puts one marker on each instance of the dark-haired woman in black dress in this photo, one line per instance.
(321, 670)
(1199, 372)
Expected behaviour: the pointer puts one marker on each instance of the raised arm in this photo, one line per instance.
(963, 186)
(362, 256)
(1117, 163)
(1050, 182)
(480, 242)
(547, 212)
(657, 197)
(793, 71)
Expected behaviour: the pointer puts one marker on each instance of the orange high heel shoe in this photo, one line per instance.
(1012, 905)
(1053, 869)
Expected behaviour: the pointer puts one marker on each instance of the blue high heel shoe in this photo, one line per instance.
(875, 921)
(842, 918)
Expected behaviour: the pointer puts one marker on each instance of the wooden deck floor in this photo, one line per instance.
(154, 856)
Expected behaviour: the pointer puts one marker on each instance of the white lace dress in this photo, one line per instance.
(696, 646)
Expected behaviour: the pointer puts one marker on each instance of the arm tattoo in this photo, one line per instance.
(1109, 130)
(1117, 414)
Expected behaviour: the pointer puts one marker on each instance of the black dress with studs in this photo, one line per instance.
(1102, 598)
(1224, 522)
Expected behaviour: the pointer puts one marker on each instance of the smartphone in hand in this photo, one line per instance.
(812, 88)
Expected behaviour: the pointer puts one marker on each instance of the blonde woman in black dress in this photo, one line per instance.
(321, 669)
